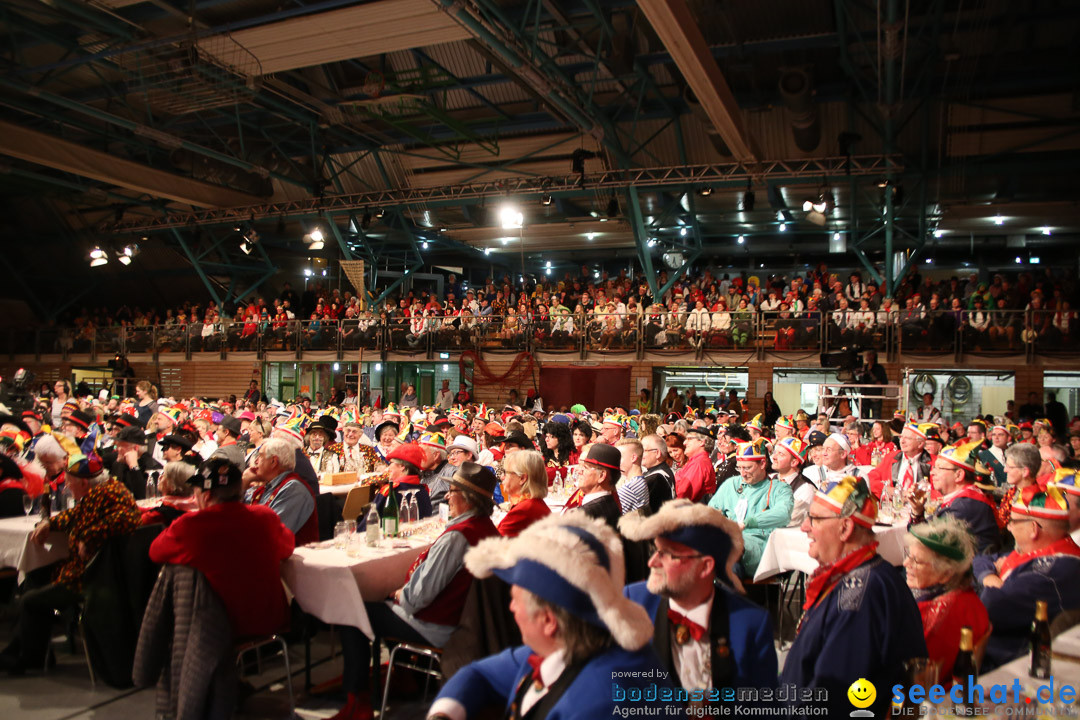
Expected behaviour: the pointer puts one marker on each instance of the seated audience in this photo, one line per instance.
(524, 487)
(271, 481)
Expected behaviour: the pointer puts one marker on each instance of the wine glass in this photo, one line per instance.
(27, 504)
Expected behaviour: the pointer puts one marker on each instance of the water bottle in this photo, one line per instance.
(371, 532)
(414, 508)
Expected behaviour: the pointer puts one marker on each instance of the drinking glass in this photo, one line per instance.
(341, 535)
(27, 504)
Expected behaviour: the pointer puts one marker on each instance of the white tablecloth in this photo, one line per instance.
(337, 489)
(789, 549)
(18, 552)
(1064, 671)
(332, 585)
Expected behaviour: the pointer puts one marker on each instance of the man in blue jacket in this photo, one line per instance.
(706, 634)
(586, 652)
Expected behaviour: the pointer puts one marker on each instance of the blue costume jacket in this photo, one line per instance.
(979, 515)
(493, 681)
(1052, 575)
(866, 627)
(748, 630)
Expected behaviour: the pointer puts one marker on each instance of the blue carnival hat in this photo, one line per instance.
(694, 525)
(574, 562)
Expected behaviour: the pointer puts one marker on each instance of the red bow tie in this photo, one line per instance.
(685, 628)
(535, 662)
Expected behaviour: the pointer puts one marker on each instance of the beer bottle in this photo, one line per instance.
(964, 672)
(1040, 643)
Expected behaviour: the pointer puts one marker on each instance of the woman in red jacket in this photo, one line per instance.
(524, 486)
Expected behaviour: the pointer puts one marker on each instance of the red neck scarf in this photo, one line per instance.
(1064, 546)
(825, 577)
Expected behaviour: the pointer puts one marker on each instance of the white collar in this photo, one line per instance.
(596, 494)
(699, 614)
(552, 667)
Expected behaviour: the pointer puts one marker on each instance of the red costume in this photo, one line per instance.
(239, 548)
(943, 616)
(696, 479)
(522, 515)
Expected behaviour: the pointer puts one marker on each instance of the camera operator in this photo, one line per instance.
(871, 373)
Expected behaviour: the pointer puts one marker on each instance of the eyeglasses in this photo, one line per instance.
(911, 559)
(819, 518)
(1017, 521)
(670, 556)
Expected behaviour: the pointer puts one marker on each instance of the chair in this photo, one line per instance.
(324, 508)
(254, 644)
(355, 502)
(433, 654)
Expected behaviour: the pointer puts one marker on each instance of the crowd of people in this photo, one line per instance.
(646, 565)
(706, 308)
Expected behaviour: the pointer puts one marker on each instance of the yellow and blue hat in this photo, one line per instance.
(795, 446)
(1049, 505)
(751, 452)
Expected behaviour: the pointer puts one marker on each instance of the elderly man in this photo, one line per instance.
(133, 463)
(584, 642)
(436, 471)
(228, 432)
(696, 480)
(1044, 566)
(788, 456)
(612, 429)
(272, 481)
(784, 427)
(835, 461)
(247, 577)
(860, 619)
(757, 503)
(356, 456)
(597, 474)
(428, 607)
(901, 470)
(105, 510)
(706, 634)
(953, 475)
(323, 450)
(659, 479)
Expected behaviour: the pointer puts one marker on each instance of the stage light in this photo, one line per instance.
(705, 191)
(98, 257)
(590, 236)
(97, 252)
(245, 246)
(682, 232)
(938, 233)
(317, 244)
(511, 217)
(545, 199)
(1018, 260)
(998, 220)
(379, 212)
(1045, 230)
(316, 235)
(741, 240)
(836, 236)
(487, 251)
(783, 227)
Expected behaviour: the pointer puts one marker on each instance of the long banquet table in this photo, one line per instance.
(789, 549)
(17, 551)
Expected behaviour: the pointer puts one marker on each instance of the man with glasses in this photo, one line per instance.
(902, 470)
(860, 619)
(953, 476)
(1044, 566)
(696, 480)
(596, 478)
(658, 476)
(706, 634)
(757, 503)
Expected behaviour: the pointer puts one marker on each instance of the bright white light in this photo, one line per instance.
(652, 242)
(316, 235)
(97, 252)
(99, 261)
(547, 271)
(761, 265)
(548, 264)
(820, 206)
(603, 219)
(324, 273)
(807, 206)
(336, 367)
(938, 233)
(1035, 260)
(682, 231)
(929, 261)
(307, 272)
(504, 240)
(836, 236)
(590, 236)
(1018, 260)
(596, 273)
(378, 367)
(998, 220)
(742, 239)
(783, 227)
(445, 367)
(511, 217)
(487, 251)
(1045, 230)
(424, 245)
(124, 260)
(316, 244)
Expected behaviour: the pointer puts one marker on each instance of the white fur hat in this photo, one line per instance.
(695, 525)
(575, 562)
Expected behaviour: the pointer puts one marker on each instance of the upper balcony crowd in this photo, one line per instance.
(706, 310)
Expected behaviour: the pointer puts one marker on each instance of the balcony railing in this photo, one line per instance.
(1026, 332)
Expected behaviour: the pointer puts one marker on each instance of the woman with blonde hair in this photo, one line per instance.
(524, 486)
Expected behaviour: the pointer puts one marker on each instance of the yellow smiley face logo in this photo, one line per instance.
(862, 693)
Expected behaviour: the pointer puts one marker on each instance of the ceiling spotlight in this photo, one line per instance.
(511, 217)
(127, 253)
(487, 251)
(742, 240)
(836, 236)
(316, 235)
(682, 232)
(98, 257)
(424, 245)
(938, 233)
(807, 205)
(1018, 260)
(246, 246)
(317, 244)
(613, 207)
(929, 261)
(998, 220)
(783, 226)
(379, 213)
(307, 272)
(591, 236)
(705, 191)
(652, 242)
(545, 199)
(548, 264)
(1045, 230)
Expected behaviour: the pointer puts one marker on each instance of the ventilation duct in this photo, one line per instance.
(796, 90)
